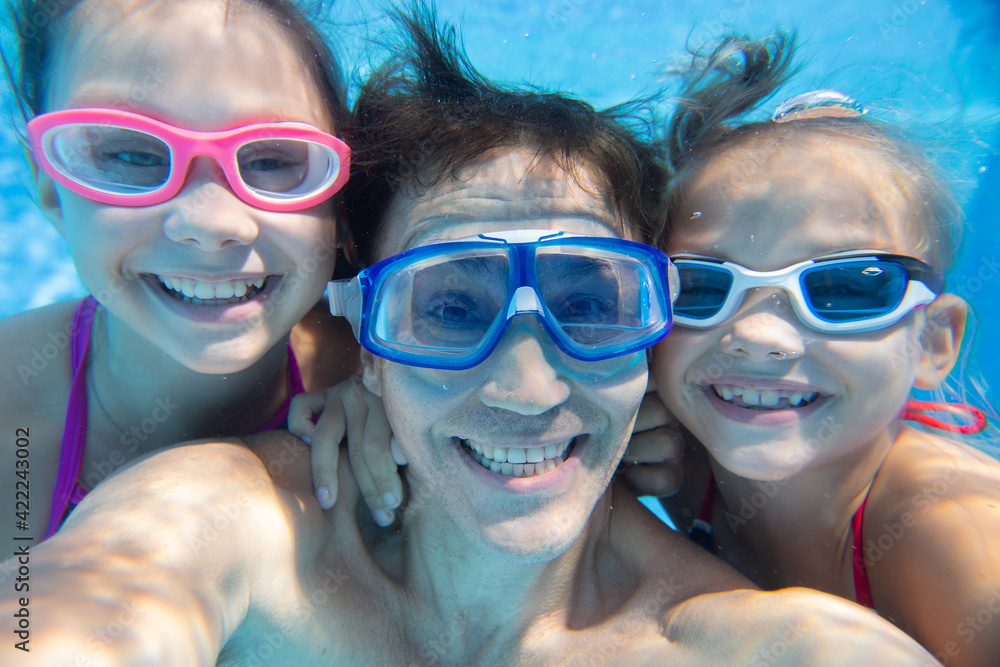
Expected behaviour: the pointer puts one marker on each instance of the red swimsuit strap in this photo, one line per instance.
(862, 587)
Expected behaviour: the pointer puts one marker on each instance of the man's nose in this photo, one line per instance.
(522, 377)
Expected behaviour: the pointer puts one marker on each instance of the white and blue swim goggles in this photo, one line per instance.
(847, 292)
(447, 305)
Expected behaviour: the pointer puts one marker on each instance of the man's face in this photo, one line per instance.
(529, 399)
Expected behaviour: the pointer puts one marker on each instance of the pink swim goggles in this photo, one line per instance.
(127, 159)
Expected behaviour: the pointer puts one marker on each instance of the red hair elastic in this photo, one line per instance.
(918, 411)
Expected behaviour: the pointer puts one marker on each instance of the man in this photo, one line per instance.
(511, 367)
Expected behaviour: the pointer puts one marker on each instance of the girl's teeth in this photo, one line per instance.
(768, 398)
(199, 292)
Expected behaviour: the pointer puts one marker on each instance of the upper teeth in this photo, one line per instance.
(518, 461)
(196, 289)
(765, 397)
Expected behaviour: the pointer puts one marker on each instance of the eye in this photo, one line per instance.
(583, 307)
(451, 320)
(136, 159)
(453, 310)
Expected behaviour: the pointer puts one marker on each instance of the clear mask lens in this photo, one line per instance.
(286, 168)
(110, 159)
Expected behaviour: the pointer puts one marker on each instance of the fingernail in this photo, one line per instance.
(323, 496)
(307, 438)
(389, 500)
(382, 518)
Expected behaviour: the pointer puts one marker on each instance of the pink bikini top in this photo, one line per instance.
(68, 492)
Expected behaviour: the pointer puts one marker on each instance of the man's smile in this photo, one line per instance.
(518, 461)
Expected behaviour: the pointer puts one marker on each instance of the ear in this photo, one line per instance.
(48, 196)
(369, 373)
(941, 339)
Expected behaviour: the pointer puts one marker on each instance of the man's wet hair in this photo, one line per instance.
(427, 113)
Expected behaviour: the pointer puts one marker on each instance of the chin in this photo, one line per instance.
(764, 462)
(232, 362)
(535, 540)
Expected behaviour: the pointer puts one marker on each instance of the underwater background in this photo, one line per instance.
(928, 65)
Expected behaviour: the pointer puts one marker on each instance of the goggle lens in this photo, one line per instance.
(286, 168)
(853, 292)
(109, 159)
(596, 301)
(703, 291)
(448, 303)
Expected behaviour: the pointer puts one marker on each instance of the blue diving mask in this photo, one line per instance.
(447, 305)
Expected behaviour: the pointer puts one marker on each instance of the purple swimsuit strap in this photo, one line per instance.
(67, 491)
(74, 437)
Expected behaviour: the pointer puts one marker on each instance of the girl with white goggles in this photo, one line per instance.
(447, 305)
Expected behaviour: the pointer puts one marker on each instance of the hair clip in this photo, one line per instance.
(917, 411)
(818, 104)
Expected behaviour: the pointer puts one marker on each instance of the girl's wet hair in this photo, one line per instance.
(729, 81)
(427, 113)
(38, 25)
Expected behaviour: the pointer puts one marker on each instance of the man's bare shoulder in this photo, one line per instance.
(688, 607)
(663, 559)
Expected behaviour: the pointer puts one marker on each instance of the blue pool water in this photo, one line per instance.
(928, 64)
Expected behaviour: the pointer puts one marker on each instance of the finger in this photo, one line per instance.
(302, 412)
(397, 453)
(658, 445)
(655, 480)
(356, 409)
(653, 413)
(377, 447)
(325, 454)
